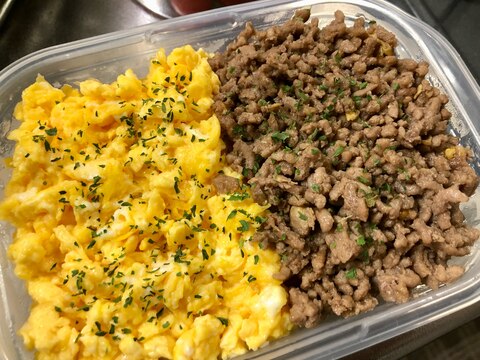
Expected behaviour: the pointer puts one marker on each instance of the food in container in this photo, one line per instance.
(333, 337)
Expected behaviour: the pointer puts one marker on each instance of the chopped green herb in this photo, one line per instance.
(338, 58)
(262, 102)
(351, 273)
(239, 130)
(363, 180)
(260, 220)
(327, 112)
(315, 187)
(338, 151)
(370, 198)
(232, 214)
(386, 187)
(128, 301)
(223, 320)
(51, 132)
(175, 185)
(244, 226)
(205, 254)
(303, 96)
(357, 100)
(280, 136)
(361, 240)
(238, 196)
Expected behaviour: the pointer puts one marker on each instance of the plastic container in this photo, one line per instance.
(106, 56)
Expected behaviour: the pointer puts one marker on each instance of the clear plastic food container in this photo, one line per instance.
(106, 56)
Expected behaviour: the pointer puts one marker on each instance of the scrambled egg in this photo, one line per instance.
(127, 250)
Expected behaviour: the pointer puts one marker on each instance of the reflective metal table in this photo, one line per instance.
(30, 25)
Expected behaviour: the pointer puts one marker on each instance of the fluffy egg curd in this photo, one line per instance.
(127, 250)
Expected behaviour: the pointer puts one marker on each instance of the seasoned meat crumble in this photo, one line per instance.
(348, 144)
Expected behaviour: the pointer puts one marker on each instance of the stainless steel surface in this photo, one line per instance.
(457, 20)
(36, 24)
(426, 342)
(32, 25)
(159, 7)
(5, 6)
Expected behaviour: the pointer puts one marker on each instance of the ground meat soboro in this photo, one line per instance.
(348, 144)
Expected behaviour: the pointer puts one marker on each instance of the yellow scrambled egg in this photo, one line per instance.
(127, 249)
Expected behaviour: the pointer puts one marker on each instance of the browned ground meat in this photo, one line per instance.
(226, 184)
(348, 144)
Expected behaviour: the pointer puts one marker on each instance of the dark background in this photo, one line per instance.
(32, 25)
